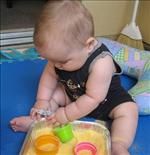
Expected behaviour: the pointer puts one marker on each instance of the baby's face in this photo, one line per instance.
(68, 60)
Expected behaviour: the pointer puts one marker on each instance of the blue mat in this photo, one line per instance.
(19, 82)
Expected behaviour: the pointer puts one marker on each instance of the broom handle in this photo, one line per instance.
(136, 3)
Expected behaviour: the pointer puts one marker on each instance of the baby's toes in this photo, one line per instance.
(14, 128)
(13, 121)
(14, 124)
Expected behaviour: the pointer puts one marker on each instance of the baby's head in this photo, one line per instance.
(64, 26)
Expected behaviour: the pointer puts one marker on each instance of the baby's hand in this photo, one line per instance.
(53, 120)
(40, 105)
(58, 118)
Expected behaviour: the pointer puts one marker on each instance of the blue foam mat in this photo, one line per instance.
(19, 82)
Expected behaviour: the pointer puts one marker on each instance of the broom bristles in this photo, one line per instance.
(130, 42)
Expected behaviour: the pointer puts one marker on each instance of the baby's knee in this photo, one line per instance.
(59, 96)
(130, 108)
(127, 109)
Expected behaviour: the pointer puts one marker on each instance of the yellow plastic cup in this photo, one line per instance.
(46, 145)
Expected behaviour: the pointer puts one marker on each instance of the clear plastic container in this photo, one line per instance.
(84, 131)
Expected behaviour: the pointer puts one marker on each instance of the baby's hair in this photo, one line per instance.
(66, 20)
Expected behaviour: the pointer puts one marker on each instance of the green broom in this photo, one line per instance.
(131, 34)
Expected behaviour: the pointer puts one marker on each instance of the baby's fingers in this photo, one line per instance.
(33, 113)
(51, 119)
(56, 124)
(50, 116)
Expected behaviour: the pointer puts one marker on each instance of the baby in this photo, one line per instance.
(81, 77)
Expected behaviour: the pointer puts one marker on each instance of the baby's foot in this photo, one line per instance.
(119, 149)
(21, 123)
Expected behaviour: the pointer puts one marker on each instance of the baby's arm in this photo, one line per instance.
(46, 88)
(96, 90)
(47, 83)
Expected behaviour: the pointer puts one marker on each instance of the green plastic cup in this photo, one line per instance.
(64, 133)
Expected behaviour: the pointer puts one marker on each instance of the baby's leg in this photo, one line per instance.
(23, 123)
(59, 98)
(123, 129)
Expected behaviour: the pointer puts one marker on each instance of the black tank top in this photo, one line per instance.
(75, 81)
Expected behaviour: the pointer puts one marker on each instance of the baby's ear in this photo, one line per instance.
(90, 43)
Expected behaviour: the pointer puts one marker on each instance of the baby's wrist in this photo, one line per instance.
(42, 100)
(61, 116)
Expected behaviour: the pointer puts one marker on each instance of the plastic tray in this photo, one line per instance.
(37, 127)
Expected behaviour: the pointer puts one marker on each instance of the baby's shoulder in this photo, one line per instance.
(102, 63)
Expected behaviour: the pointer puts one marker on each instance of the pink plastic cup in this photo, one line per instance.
(85, 146)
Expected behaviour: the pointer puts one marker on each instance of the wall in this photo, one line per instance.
(111, 16)
(143, 20)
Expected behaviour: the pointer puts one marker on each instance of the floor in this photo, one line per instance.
(19, 82)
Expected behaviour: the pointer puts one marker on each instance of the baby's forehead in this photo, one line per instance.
(56, 44)
(58, 54)
(58, 51)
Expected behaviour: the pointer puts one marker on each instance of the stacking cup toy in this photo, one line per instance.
(64, 133)
(46, 145)
(85, 148)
